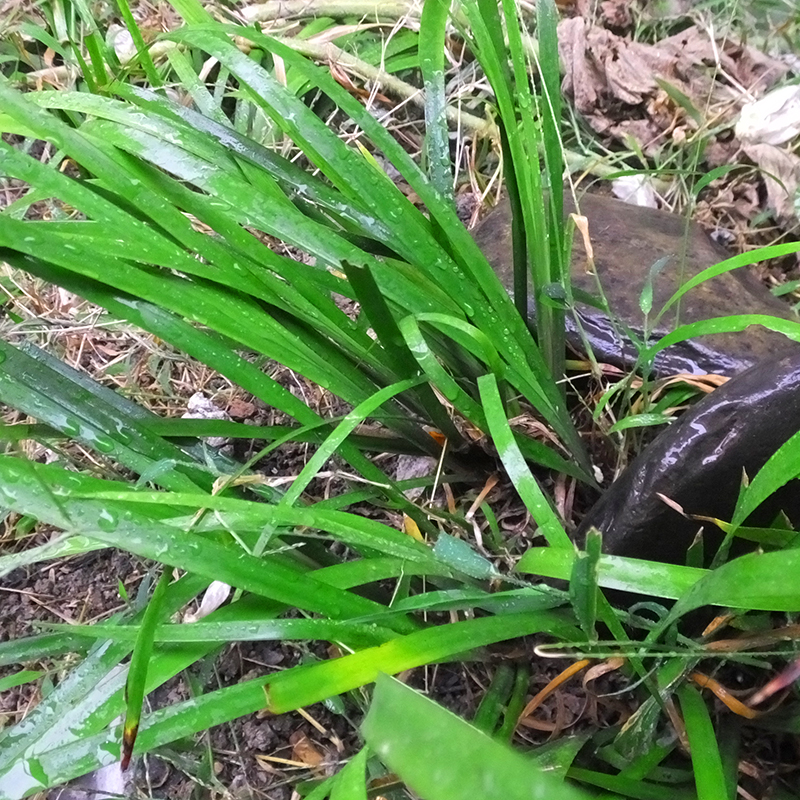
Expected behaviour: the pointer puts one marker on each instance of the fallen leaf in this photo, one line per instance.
(412, 529)
(304, 751)
(781, 172)
(635, 189)
(215, 595)
(241, 409)
(774, 119)
(615, 82)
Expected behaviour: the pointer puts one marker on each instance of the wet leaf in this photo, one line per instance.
(459, 759)
(459, 555)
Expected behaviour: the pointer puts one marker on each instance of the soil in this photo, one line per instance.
(259, 756)
(83, 589)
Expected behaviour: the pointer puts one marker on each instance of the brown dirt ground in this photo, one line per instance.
(236, 759)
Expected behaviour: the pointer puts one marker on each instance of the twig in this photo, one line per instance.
(331, 54)
(283, 9)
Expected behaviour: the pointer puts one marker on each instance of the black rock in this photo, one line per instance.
(698, 461)
(627, 241)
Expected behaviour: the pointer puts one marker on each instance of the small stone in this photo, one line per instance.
(241, 409)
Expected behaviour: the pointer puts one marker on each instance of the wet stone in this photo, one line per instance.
(699, 460)
(627, 241)
(698, 463)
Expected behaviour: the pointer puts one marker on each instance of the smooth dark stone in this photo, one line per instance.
(698, 463)
(627, 240)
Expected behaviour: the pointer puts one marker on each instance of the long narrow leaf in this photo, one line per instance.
(137, 670)
(433, 26)
(706, 762)
(461, 762)
(524, 482)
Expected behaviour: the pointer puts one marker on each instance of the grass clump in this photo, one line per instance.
(161, 213)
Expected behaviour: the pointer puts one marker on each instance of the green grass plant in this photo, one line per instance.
(162, 214)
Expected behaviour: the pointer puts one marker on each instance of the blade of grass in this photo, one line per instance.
(315, 682)
(250, 517)
(494, 700)
(559, 234)
(730, 324)
(33, 648)
(546, 250)
(137, 670)
(515, 705)
(351, 633)
(625, 787)
(93, 499)
(741, 260)
(61, 547)
(20, 679)
(583, 588)
(142, 51)
(524, 482)
(755, 581)
(706, 761)
(350, 783)
(432, 45)
(781, 467)
(460, 760)
(615, 572)
(334, 441)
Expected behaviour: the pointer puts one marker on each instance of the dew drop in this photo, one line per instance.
(12, 474)
(104, 443)
(71, 426)
(7, 496)
(107, 521)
